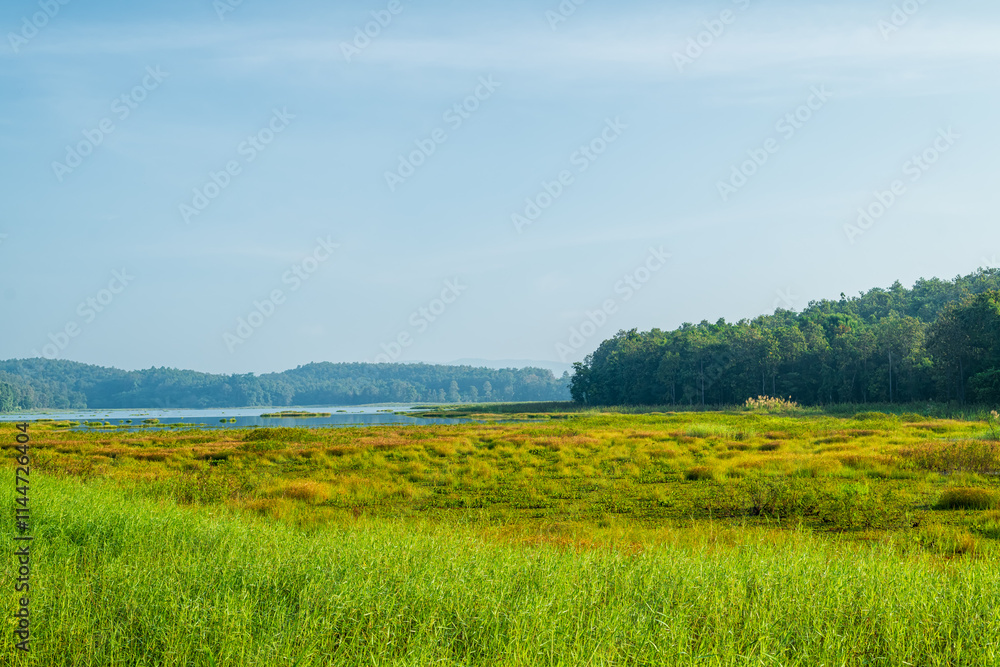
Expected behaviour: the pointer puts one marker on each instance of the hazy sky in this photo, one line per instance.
(171, 169)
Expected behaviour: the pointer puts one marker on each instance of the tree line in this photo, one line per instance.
(939, 341)
(27, 384)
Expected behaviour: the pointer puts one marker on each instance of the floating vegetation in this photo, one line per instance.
(294, 414)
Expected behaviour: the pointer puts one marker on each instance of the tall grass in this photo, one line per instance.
(124, 580)
(870, 471)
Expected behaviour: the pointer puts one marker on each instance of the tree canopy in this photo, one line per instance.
(939, 340)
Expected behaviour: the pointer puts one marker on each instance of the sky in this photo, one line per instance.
(246, 186)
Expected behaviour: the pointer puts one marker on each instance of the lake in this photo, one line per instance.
(340, 416)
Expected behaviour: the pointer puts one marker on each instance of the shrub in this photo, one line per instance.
(993, 419)
(969, 499)
(699, 473)
(770, 404)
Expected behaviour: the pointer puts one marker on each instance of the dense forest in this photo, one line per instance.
(28, 384)
(939, 341)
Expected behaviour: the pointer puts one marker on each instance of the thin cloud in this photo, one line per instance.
(633, 45)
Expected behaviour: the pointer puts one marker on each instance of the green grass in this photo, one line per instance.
(826, 473)
(123, 580)
(589, 538)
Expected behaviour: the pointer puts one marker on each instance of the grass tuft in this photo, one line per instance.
(968, 499)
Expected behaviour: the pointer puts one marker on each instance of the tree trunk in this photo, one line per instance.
(890, 376)
(961, 381)
(703, 384)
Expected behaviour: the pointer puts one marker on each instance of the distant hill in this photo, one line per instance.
(557, 367)
(28, 384)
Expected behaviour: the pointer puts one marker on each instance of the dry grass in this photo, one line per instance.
(307, 490)
(663, 469)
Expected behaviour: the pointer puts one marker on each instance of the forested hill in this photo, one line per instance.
(938, 341)
(28, 384)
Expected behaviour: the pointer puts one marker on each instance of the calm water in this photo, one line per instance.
(340, 416)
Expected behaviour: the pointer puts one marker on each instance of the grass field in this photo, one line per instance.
(729, 538)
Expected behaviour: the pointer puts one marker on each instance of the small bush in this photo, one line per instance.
(770, 404)
(993, 419)
(968, 499)
(699, 473)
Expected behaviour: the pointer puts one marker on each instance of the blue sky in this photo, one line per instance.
(172, 170)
